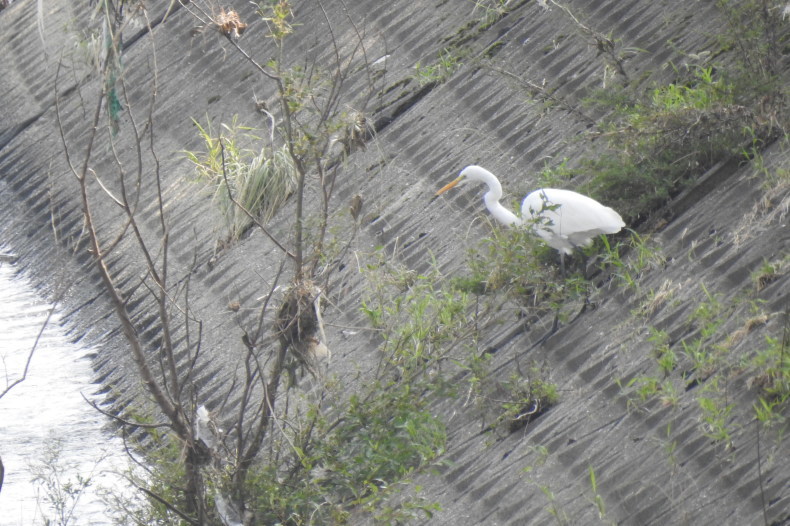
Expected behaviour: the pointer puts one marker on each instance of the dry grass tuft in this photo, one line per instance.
(752, 323)
(229, 23)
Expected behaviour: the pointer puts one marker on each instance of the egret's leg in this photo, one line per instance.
(555, 325)
(562, 267)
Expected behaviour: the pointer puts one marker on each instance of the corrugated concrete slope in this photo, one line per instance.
(425, 135)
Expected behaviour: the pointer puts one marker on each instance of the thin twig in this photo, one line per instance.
(163, 502)
(32, 352)
(119, 419)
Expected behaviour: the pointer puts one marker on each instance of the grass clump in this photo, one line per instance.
(662, 143)
(771, 367)
(527, 398)
(756, 33)
(492, 11)
(420, 319)
(510, 261)
(249, 184)
(380, 442)
(769, 272)
(447, 63)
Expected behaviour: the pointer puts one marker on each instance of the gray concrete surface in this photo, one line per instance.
(716, 237)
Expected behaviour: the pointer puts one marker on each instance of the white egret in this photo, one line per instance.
(562, 218)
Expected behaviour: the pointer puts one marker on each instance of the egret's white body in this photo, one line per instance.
(562, 218)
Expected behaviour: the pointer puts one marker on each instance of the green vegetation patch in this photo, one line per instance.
(659, 145)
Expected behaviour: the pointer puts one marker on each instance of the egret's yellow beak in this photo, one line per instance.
(448, 186)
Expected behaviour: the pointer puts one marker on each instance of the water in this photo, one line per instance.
(47, 414)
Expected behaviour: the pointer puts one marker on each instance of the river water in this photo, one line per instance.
(46, 416)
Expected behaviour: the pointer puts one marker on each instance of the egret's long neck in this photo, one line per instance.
(500, 213)
(494, 194)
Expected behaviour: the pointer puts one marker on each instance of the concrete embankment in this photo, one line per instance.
(652, 463)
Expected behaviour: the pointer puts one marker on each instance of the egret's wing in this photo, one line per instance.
(570, 216)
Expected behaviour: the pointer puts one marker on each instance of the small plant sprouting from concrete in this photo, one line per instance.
(560, 515)
(629, 261)
(769, 272)
(771, 372)
(439, 71)
(492, 10)
(597, 499)
(716, 411)
(527, 398)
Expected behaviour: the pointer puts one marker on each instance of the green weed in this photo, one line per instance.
(771, 368)
(755, 35)
(707, 360)
(665, 355)
(630, 261)
(598, 501)
(560, 516)
(646, 387)
(443, 68)
(379, 441)
(419, 319)
(526, 399)
(515, 263)
(716, 411)
(161, 478)
(770, 271)
(555, 176)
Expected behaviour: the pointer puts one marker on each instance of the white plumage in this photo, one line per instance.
(562, 218)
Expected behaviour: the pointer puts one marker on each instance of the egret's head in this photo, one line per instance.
(462, 178)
